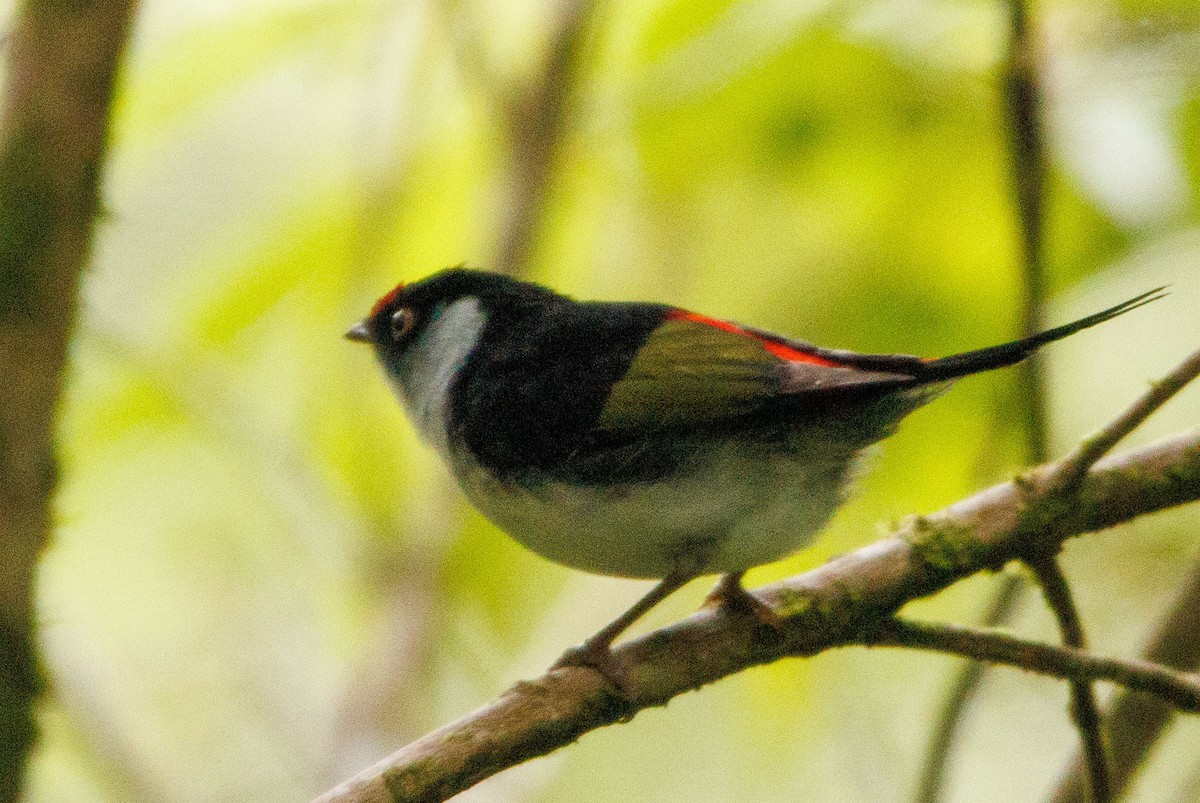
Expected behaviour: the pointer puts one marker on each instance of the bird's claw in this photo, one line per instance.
(735, 599)
(598, 657)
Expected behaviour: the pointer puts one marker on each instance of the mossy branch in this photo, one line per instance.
(841, 603)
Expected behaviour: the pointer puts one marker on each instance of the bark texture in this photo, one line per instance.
(63, 59)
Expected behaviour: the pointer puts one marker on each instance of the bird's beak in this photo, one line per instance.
(358, 333)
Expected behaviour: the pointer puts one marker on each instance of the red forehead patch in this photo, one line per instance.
(386, 300)
(780, 350)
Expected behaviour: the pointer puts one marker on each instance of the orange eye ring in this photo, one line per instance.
(402, 323)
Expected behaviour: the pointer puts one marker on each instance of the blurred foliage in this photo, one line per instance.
(262, 582)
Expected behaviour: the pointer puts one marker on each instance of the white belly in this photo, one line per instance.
(733, 504)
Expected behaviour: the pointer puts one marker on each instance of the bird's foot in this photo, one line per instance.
(730, 595)
(598, 656)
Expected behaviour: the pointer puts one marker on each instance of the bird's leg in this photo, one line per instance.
(596, 652)
(729, 594)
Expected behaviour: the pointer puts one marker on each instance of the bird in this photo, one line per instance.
(644, 440)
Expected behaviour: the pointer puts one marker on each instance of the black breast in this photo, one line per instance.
(530, 397)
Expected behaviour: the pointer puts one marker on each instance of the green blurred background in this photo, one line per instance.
(261, 582)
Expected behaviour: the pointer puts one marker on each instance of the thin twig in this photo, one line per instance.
(1075, 466)
(1066, 481)
(1084, 710)
(1180, 689)
(827, 607)
(1068, 477)
(1137, 720)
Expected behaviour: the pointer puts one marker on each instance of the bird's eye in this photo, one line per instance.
(402, 323)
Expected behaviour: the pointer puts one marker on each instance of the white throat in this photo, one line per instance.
(431, 364)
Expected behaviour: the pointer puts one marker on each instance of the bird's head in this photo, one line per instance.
(409, 313)
(424, 333)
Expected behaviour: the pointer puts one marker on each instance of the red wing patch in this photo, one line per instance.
(386, 300)
(780, 350)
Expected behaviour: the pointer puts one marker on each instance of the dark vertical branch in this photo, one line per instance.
(1022, 103)
(1137, 721)
(1084, 711)
(1023, 97)
(63, 59)
(536, 121)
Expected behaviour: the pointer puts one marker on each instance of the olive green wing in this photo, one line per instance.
(689, 374)
(694, 371)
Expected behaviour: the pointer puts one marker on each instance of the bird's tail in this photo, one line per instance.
(971, 362)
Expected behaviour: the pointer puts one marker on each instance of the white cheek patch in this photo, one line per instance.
(431, 364)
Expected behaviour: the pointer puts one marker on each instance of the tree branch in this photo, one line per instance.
(831, 606)
(63, 59)
(1023, 105)
(1074, 466)
(1179, 689)
(1137, 720)
(1085, 712)
(1027, 139)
